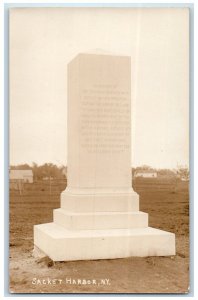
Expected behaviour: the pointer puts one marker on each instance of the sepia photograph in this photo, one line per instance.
(99, 150)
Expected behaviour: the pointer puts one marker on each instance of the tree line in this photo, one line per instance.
(50, 170)
(45, 171)
(180, 171)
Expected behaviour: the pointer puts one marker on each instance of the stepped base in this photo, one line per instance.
(99, 201)
(61, 244)
(99, 220)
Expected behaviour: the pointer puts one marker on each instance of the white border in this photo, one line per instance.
(140, 3)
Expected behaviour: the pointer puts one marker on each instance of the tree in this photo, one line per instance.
(166, 173)
(47, 170)
(35, 170)
(183, 172)
(21, 167)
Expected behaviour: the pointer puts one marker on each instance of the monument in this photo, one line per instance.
(99, 216)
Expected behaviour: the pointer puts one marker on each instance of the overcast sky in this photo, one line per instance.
(44, 40)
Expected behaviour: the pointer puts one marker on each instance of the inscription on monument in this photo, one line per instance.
(105, 119)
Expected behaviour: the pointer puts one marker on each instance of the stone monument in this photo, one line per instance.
(99, 216)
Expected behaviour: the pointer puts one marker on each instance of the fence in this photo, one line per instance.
(139, 184)
(47, 186)
(160, 184)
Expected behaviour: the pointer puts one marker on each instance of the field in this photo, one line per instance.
(168, 209)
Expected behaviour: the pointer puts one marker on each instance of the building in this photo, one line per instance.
(26, 176)
(146, 174)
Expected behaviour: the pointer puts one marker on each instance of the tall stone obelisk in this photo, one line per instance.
(99, 215)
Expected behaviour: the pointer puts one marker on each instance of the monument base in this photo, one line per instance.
(61, 244)
(100, 225)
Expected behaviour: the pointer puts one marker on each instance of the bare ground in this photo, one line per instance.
(167, 210)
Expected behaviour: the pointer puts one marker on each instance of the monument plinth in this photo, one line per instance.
(99, 216)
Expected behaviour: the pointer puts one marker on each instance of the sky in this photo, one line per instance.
(44, 40)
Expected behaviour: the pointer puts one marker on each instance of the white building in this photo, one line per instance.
(24, 175)
(146, 174)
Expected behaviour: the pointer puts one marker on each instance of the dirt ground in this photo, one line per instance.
(168, 210)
